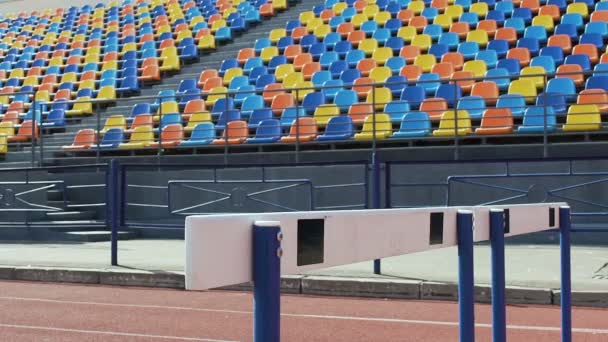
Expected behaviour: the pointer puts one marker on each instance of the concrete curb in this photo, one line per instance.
(309, 285)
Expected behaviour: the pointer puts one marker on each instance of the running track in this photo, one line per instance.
(54, 312)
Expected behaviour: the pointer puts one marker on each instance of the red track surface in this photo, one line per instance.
(52, 312)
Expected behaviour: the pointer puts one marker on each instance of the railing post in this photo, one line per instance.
(113, 193)
(98, 137)
(545, 138)
(466, 285)
(376, 198)
(456, 137)
(226, 121)
(267, 253)
(565, 294)
(297, 123)
(34, 121)
(497, 241)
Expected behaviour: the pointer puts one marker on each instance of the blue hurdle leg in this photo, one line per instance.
(497, 240)
(266, 282)
(466, 286)
(564, 248)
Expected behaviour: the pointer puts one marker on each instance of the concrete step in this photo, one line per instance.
(97, 235)
(71, 215)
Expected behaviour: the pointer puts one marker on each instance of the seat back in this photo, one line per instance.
(142, 134)
(172, 133)
(113, 137)
(450, 118)
(85, 137)
(497, 118)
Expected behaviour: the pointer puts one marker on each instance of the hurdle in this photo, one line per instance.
(264, 246)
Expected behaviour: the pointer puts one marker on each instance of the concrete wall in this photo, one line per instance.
(31, 5)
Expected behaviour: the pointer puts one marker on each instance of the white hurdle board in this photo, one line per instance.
(219, 247)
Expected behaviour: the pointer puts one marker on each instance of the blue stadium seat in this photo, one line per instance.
(203, 134)
(290, 114)
(250, 104)
(312, 101)
(414, 95)
(338, 128)
(597, 82)
(538, 120)
(345, 98)
(396, 110)
(474, 105)
(430, 82)
(414, 124)
(450, 92)
(268, 131)
(112, 138)
(515, 102)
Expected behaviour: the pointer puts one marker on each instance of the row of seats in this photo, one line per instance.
(495, 121)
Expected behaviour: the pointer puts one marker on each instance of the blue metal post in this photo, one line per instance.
(113, 206)
(564, 248)
(497, 241)
(266, 282)
(376, 198)
(466, 306)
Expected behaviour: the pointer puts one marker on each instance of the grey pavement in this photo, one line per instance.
(531, 266)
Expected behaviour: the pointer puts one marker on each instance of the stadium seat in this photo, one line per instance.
(338, 128)
(598, 97)
(141, 137)
(83, 140)
(302, 130)
(267, 131)
(583, 118)
(112, 138)
(538, 120)
(474, 105)
(236, 132)
(375, 127)
(434, 107)
(414, 124)
(453, 123)
(496, 121)
(524, 87)
(323, 113)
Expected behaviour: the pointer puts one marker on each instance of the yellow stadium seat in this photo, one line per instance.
(423, 41)
(583, 118)
(206, 42)
(444, 20)
(524, 87)
(279, 4)
(538, 80)
(322, 31)
(277, 34)
(7, 129)
(183, 34)
(69, 77)
(407, 33)
(416, 6)
(232, 73)
(379, 97)
(339, 7)
(358, 19)
(425, 62)
(3, 144)
(306, 16)
(269, 52)
(478, 36)
(454, 11)
(371, 10)
(376, 126)
(453, 123)
(579, 8)
(381, 55)
(167, 107)
(87, 84)
(382, 17)
(304, 87)
(380, 74)
(479, 8)
(368, 45)
(106, 93)
(170, 59)
(313, 24)
(110, 65)
(83, 106)
(544, 20)
(114, 121)
(292, 80)
(477, 67)
(215, 94)
(197, 118)
(324, 113)
(218, 24)
(283, 70)
(142, 137)
(31, 81)
(128, 47)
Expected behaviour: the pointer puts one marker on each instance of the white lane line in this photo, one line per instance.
(112, 333)
(351, 318)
